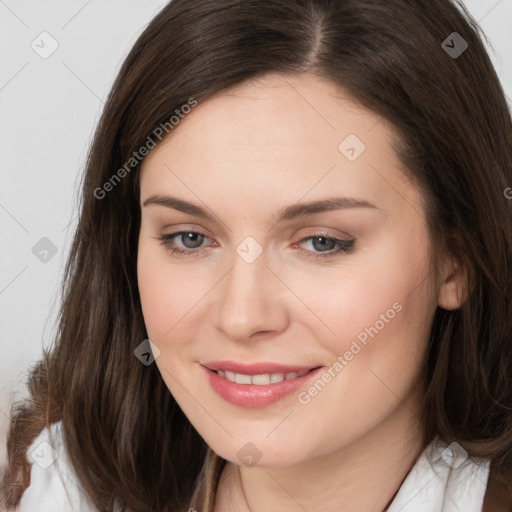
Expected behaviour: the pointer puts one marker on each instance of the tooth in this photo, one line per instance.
(242, 379)
(261, 379)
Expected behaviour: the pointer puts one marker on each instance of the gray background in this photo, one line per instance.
(50, 107)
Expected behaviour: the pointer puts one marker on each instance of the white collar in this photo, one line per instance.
(444, 479)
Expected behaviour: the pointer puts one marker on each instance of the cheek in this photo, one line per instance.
(382, 322)
(381, 304)
(166, 294)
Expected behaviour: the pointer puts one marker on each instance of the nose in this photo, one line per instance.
(252, 301)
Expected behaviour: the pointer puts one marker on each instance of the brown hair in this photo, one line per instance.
(127, 439)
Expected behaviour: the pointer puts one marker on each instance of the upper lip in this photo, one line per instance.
(255, 368)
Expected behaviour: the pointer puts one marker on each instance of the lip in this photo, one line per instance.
(255, 368)
(254, 396)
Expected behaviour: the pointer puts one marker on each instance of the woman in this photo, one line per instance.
(303, 205)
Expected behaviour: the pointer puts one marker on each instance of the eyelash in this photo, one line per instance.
(343, 246)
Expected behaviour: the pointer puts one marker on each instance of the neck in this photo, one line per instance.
(364, 475)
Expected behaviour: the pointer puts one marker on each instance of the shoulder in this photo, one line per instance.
(53, 484)
(445, 479)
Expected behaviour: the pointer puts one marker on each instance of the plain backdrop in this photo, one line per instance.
(50, 104)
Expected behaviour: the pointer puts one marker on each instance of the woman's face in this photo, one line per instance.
(267, 277)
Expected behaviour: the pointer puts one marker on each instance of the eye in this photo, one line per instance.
(191, 240)
(327, 246)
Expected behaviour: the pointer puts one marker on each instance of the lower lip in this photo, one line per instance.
(254, 396)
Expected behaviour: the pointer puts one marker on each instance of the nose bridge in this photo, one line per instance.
(246, 283)
(248, 301)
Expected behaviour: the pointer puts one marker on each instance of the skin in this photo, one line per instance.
(243, 155)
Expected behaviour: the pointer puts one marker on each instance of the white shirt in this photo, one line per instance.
(443, 479)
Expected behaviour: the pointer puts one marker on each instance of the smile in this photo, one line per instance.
(256, 390)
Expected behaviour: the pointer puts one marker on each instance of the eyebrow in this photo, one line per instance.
(286, 213)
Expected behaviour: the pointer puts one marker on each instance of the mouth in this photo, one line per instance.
(253, 387)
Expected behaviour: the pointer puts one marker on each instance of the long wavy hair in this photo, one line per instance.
(129, 443)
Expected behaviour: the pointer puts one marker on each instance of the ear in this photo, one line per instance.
(453, 286)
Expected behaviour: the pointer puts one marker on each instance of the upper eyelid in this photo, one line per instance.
(195, 228)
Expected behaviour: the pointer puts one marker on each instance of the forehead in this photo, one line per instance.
(278, 110)
(277, 133)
